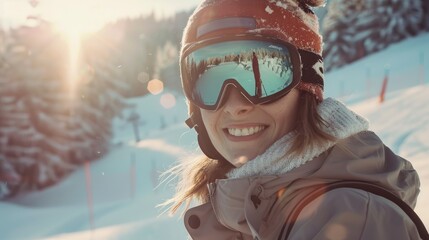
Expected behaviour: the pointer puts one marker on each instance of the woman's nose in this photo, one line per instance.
(236, 103)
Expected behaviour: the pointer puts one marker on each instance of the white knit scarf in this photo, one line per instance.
(342, 123)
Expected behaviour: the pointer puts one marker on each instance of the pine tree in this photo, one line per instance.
(353, 29)
(140, 41)
(45, 131)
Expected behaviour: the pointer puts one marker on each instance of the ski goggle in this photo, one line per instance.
(261, 68)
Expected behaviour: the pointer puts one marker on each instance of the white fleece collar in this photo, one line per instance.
(342, 123)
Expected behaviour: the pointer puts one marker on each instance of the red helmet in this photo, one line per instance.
(287, 20)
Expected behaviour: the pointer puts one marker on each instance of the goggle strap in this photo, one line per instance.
(312, 68)
(190, 122)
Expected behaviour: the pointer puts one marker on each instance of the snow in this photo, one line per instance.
(269, 10)
(125, 187)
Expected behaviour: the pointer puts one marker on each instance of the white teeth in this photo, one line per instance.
(239, 132)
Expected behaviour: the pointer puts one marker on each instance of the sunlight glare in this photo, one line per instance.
(155, 86)
(168, 100)
(73, 75)
(74, 17)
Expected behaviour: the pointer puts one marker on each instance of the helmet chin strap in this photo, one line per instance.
(190, 122)
(204, 142)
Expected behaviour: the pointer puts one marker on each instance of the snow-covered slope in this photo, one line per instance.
(123, 183)
(405, 63)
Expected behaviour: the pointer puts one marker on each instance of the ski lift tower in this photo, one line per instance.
(134, 120)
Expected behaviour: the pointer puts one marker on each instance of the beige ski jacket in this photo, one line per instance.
(257, 207)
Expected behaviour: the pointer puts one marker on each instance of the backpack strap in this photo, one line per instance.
(365, 186)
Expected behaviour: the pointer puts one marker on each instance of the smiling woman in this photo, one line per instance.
(271, 139)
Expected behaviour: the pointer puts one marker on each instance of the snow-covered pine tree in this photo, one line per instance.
(353, 29)
(46, 132)
(336, 22)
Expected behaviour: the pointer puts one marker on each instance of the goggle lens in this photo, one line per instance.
(261, 70)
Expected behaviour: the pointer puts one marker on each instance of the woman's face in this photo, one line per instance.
(240, 131)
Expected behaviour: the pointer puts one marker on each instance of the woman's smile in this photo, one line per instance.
(242, 132)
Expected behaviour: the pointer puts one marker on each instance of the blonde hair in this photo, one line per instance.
(196, 174)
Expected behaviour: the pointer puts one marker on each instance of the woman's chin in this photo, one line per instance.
(240, 160)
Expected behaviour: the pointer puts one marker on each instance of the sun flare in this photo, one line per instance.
(73, 75)
(73, 19)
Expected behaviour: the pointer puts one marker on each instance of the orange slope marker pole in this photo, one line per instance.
(384, 86)
(89, 194)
